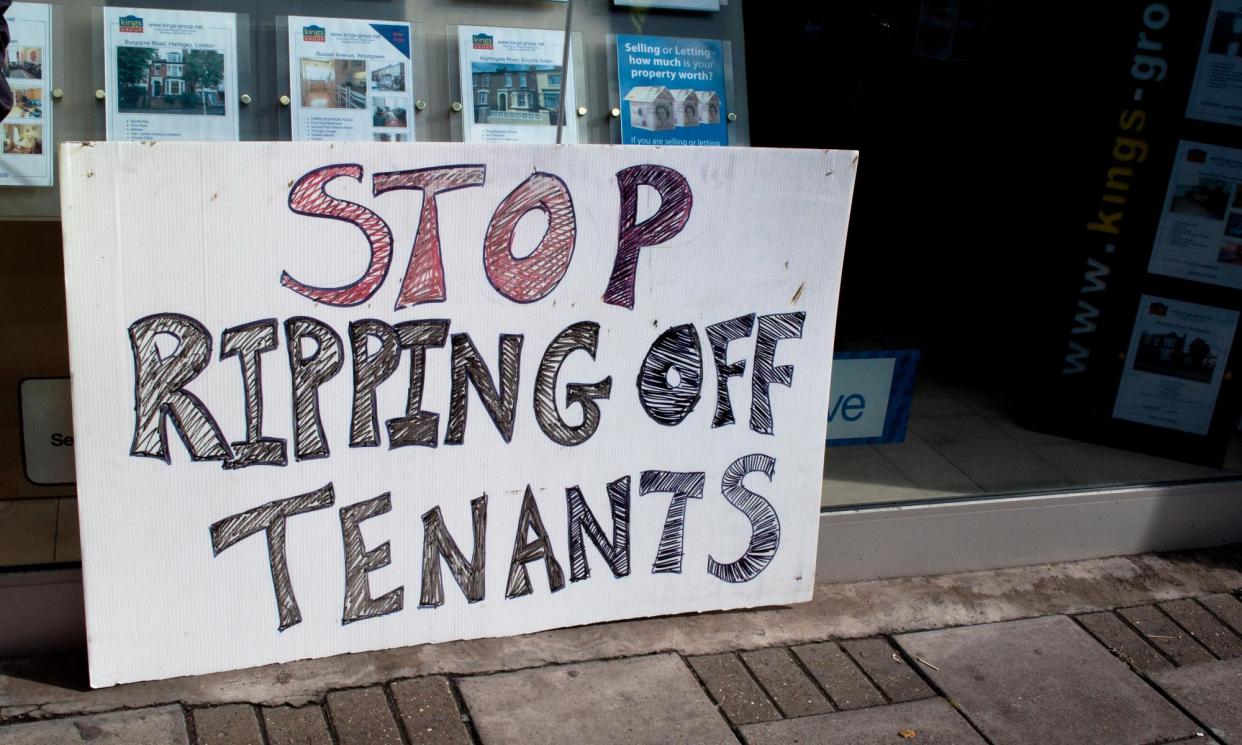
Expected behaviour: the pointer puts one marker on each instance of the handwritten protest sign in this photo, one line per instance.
(340, 397)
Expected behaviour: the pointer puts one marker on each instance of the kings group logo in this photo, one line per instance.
(483, 41)
(131, 25)
(314, 33)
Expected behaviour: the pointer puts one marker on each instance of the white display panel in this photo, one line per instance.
(170, 74)
(511, 84)
(1177, 357)
(1200, 232)
(1216, 95)
(375, 395)
(26, 136)
(351, 80)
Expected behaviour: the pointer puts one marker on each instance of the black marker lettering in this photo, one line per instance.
(369, 371)
(359, 562)
(683, 486)
(247, 343)
(438, 543)
(524, 551)
(666, 402)
(309, 440)
(468, 365)
(585, 336)
(719, 335)
(616, 553)
(772, 329)
(417, 427)
(271, 517)
(765, 526)
(160, 391)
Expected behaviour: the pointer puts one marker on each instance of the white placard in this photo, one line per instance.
(1216, 95)
(511, 84)
(351, 80)
(544, 326)
(170, 74)
(47, 431)
(1200, 231)
(1177, 357)
(26, 134)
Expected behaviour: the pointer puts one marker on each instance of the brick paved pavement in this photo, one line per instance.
(1169, 670)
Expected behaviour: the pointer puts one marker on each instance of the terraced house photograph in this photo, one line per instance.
(516, 94)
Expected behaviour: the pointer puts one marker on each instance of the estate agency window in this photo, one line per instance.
(1038, 302)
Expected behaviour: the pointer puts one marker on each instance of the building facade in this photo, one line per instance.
(522, 93)
(164, 76)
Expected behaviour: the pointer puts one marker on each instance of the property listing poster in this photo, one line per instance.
(1200, 232)
(512, 83)
(672, 91)
(352, 80)
(26, 157)
(1177, 357)
(171, 74)
(1216, 95)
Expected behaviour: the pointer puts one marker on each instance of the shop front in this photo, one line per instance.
(1037, 332)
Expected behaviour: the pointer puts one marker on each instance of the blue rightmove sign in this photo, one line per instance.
(870, 396)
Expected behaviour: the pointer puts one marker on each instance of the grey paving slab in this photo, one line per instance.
(728, 681)
(231, 724)
(837, 674)
(1225, 607)
(927, 468)
(887, 670)
(1124, 641)
(1094, 464)
(1167, 636)
(302, 725)
(986, 454)
(362, 717)
(428, 709)
(1211, 692)
(927, 722)
(786, 682)
(652, 699)
(932, 399)
(163, 725)
(1204, 627)
(1044, 681)
(860, 474)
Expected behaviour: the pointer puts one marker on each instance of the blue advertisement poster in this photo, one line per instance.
(672, 91)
